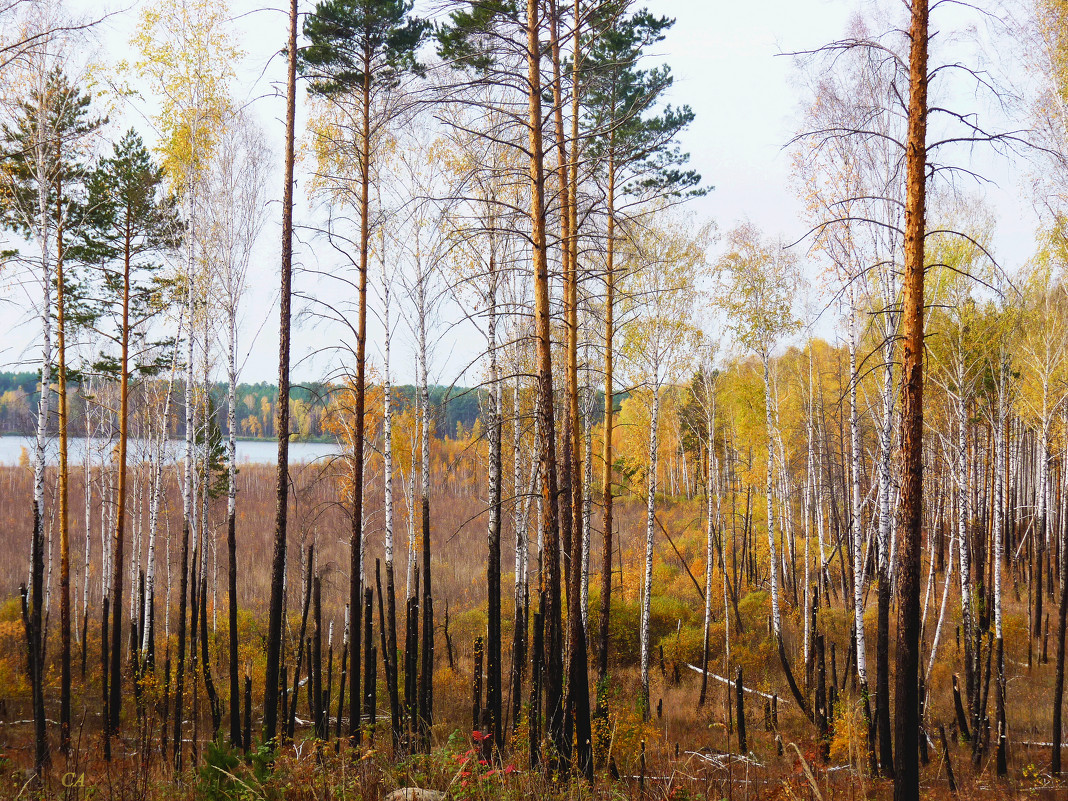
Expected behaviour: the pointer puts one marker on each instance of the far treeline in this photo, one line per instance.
(454, 410)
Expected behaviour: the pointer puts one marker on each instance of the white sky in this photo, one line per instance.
(724, 56)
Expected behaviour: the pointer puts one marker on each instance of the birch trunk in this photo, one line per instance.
(387, 480)
(963, 515)
(998, 533)
(776, 619)
(710, 532)
(773, 559)
(493, 562)
(647, 576)
(231, 516)
(587, 513)
(156, 495)
(426, 679)
(35, 634)
(854, 469)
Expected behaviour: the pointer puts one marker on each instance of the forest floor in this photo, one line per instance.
(688, 748)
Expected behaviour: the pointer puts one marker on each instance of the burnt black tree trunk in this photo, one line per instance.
(305, 608)
(231, 586)
(317, 661)
(183, 601)
(389, 664)
(882, 674)
(205, 665)
(1058, 687)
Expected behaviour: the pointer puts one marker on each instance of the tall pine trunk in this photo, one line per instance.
(278, 563)
(115, 688)
(356, 533)
(553, 640)
(906, 711)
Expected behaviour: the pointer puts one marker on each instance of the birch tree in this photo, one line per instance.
(237, 191)
(135, 225)
(358, 54)
(187, 53)
(44, 142)
(759, 278)
(665, 271)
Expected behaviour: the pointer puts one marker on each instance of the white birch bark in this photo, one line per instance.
(710, 421)
(108, 496)
(156, 467)
(858, 557)
(387, 405)
(776, 620)
(999, 490)
(647, 576)
(187, 477)
(424, 386)
(807, 511)
(941, 611)
(886, 433)
(587, 508)
(496, 406)
(518, 516)
(42, 148)
(135, 562)
(88, 515)
(48, 567)
(963, 516)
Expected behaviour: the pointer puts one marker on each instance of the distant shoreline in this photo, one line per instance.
(249, 450)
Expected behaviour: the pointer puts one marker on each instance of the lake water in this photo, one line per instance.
(264, 451)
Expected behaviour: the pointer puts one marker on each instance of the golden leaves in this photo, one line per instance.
(188, 52)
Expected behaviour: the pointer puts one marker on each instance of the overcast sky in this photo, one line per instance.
(727, 65)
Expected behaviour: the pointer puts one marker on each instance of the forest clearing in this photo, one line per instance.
(557, 485)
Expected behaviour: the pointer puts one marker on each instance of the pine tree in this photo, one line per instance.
(635, 157)
(43, 154)
(133, 223)
(357, 50)
(272, 678)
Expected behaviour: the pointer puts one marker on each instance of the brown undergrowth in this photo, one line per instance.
(690, 750)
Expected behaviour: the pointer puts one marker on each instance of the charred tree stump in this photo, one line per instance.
(962, 719)
(476, 685)
(945, 758)
(820, 704)
(739, 696)
(534, 724)
(246, 738)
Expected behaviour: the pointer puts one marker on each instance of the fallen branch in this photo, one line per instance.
(727, 681)
(808, 773)
(722, 760)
